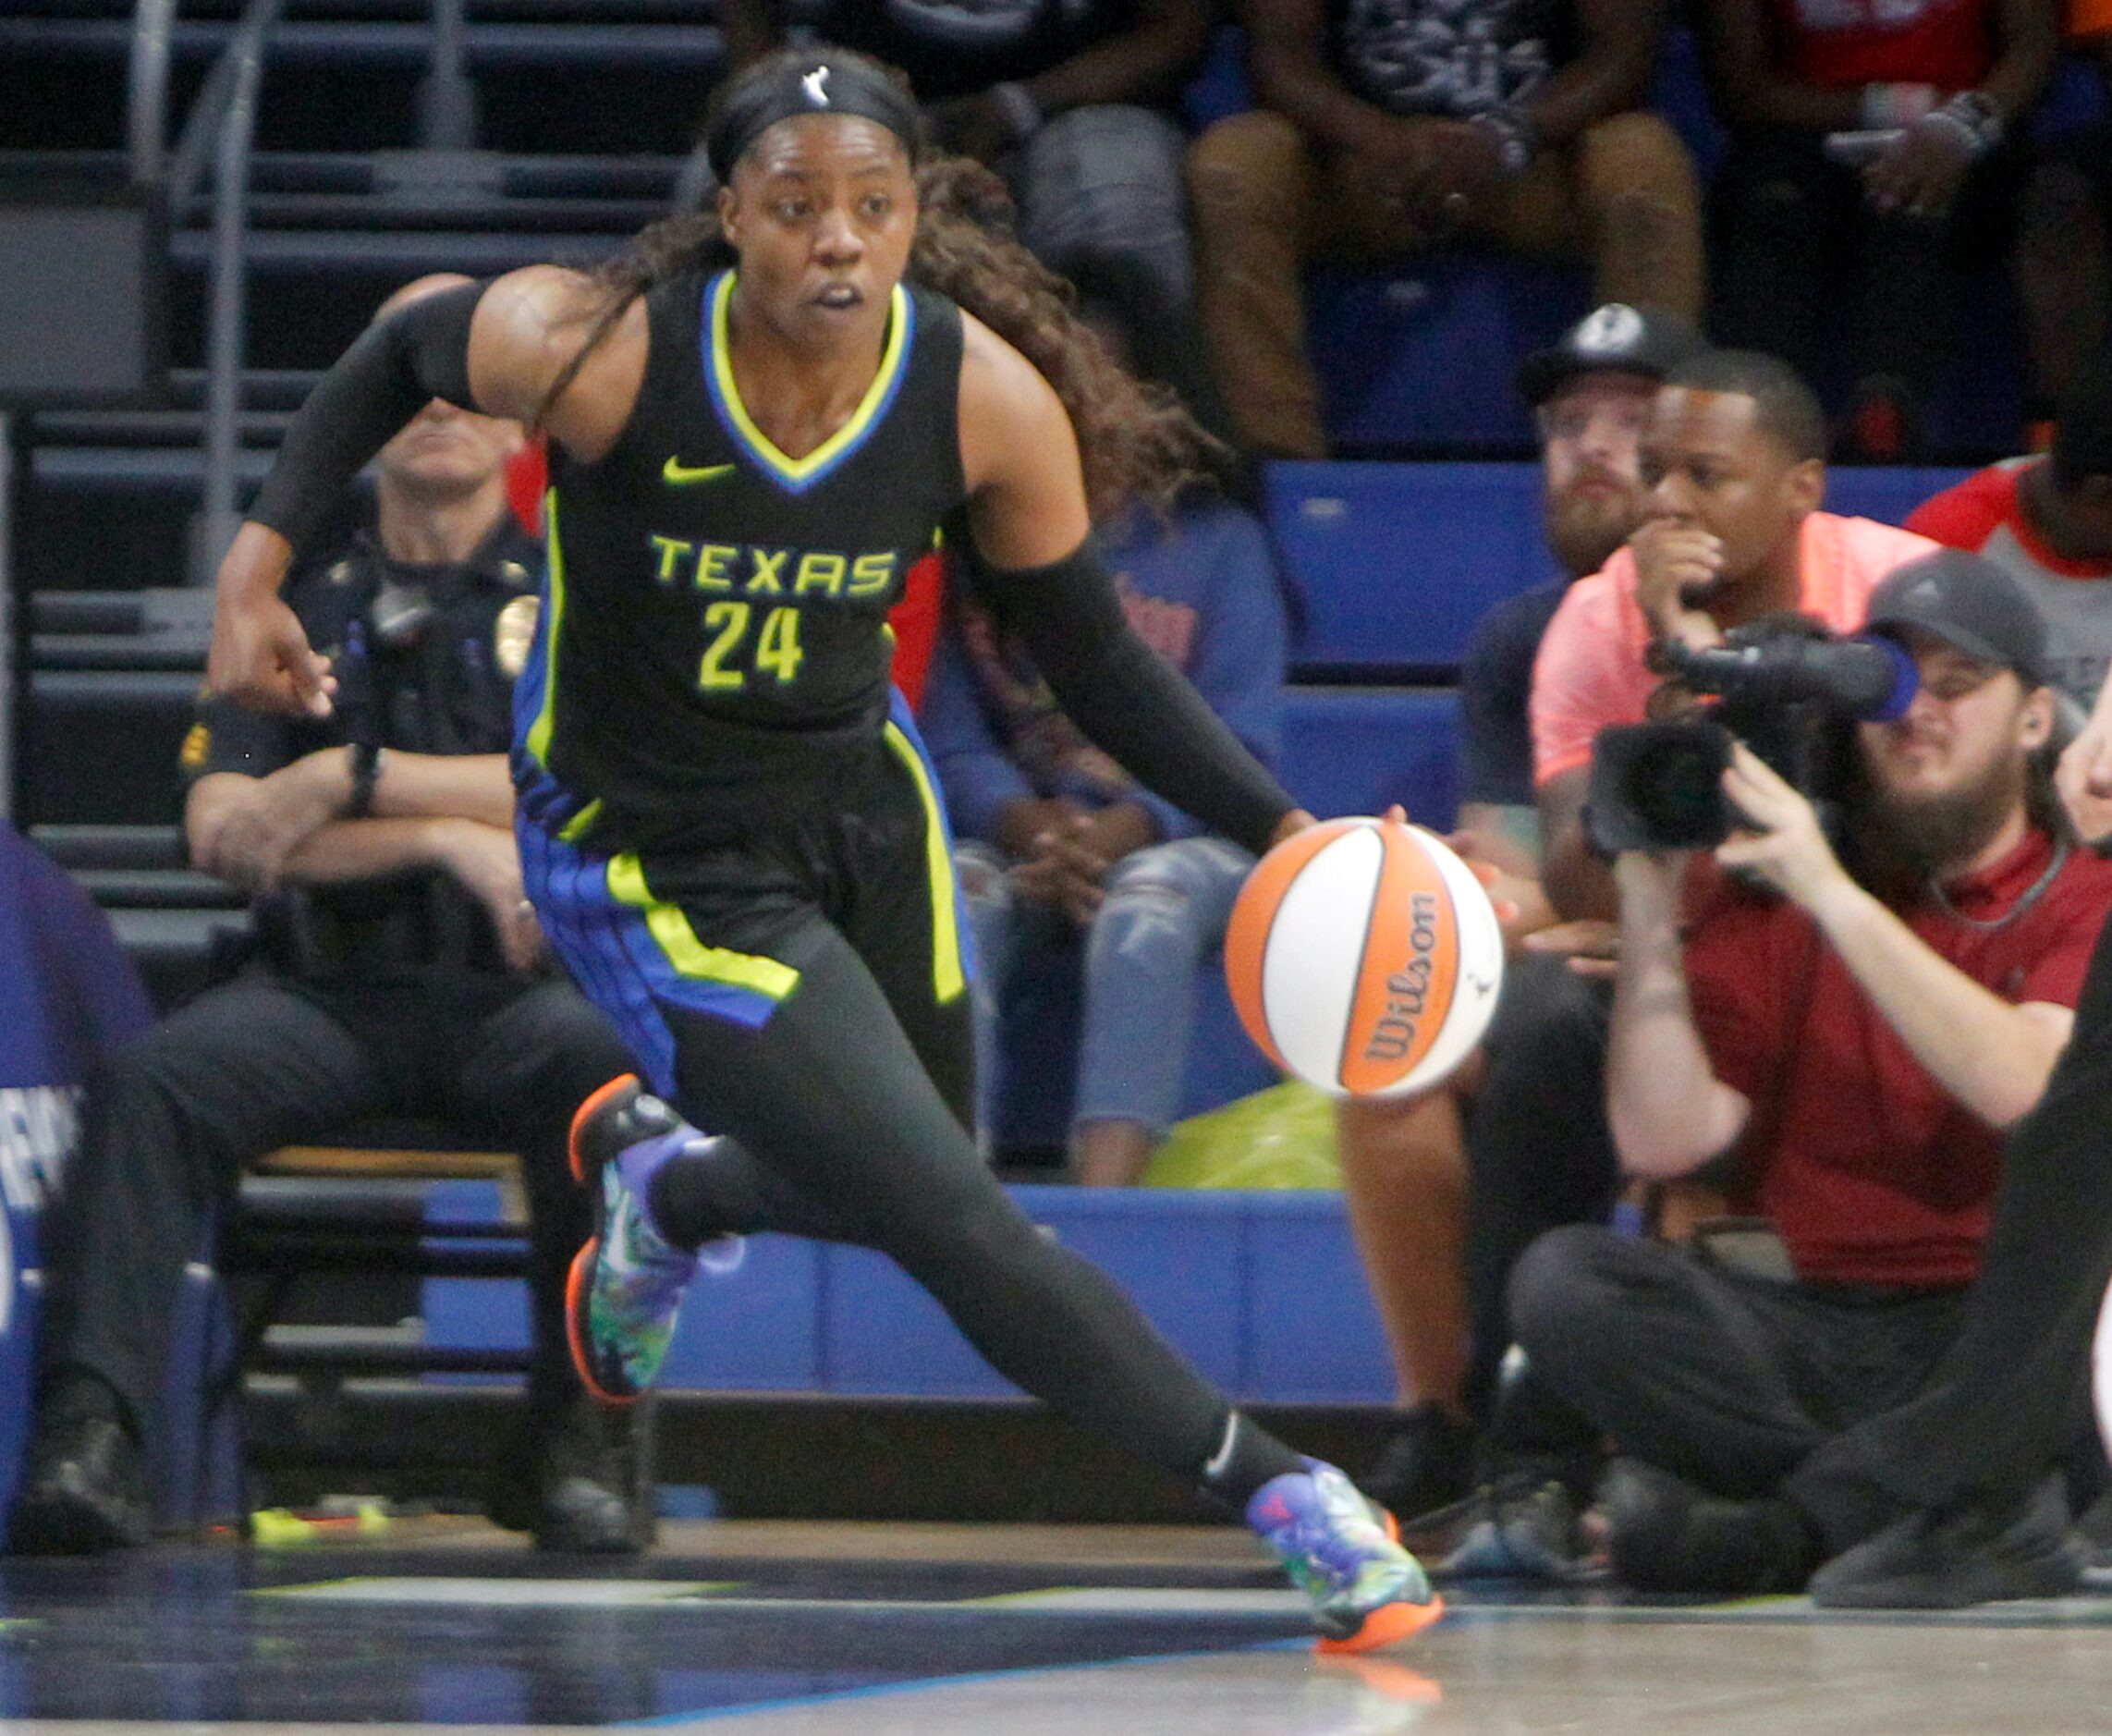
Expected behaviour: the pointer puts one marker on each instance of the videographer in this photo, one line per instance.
(1846, 1050)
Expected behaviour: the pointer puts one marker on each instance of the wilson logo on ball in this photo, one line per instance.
(1364, 957)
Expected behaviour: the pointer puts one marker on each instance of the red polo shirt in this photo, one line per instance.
(1869, 1169)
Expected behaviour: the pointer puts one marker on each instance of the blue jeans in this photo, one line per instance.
(1164, 914)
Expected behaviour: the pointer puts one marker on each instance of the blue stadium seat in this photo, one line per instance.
(1887, 493)
(1398, 562)
(1420, 355)
(1355, 749)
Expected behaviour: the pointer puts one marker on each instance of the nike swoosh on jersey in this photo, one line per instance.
(681, 475)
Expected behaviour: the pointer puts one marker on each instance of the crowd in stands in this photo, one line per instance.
(1796, 1056)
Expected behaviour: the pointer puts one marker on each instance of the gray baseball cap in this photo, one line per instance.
(1614, 338)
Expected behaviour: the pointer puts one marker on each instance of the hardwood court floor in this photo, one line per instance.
(945, 1631)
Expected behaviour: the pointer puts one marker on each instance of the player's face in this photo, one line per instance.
(443, 450)
(1706, 461)
(1595, 498)
(822, 210)
(1949, 772)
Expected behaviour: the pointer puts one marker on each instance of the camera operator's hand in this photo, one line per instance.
(1677, 565)
(1784, 844)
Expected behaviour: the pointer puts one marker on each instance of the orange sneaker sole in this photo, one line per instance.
(1387, 1625)
(579, 1118)
(576, 1282)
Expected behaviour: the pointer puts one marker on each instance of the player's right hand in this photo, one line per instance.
(260, 657)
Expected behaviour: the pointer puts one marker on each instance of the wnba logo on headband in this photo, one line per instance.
(816, 81)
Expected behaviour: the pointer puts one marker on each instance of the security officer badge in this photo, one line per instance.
(514, 632)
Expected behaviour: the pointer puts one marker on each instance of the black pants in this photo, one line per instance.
(1539, 1153)
(1794, 229)
(2005, 1403)
(170, 1123)
(1730, 1379)
(798, 989)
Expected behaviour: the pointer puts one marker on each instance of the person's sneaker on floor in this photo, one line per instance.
(1367, 1591)
(627, 1283)
(1523, 1528)
(1664, 1535)
(84, 1490)
(1428, 1461)
(567, 1482)
(1982, 1551)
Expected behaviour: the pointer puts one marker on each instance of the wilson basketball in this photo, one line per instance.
(1364, 957)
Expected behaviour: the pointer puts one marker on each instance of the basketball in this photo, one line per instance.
(1364, 957)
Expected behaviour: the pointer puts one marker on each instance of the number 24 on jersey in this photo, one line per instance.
(776, 650)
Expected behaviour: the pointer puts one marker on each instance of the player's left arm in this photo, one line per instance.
(1027, 514)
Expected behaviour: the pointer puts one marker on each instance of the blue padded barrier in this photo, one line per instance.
(1262, 1290)
(1398, 562)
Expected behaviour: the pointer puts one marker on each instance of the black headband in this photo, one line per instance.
(819, 84)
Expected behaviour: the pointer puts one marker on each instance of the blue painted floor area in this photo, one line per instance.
(500, 1637)
(374, 1636)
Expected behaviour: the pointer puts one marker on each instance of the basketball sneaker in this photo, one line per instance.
(627, 1283)
(1344, 1554)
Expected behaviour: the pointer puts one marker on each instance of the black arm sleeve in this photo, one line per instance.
(399, 365)
(1129, 700)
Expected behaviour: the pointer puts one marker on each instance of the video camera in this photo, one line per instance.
(1784, 685)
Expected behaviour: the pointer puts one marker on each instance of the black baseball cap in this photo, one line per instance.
(1614, 338)
(1968, 602)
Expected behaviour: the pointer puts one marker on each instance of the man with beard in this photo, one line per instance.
(1403, 1161)
(1851, 1045)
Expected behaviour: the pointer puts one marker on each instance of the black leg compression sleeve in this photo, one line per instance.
(1129, 701)
(399, 365)
(829, 1097)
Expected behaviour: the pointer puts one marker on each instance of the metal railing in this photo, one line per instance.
(146, 111)
(225, 112)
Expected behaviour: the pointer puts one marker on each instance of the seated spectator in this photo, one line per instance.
(1403, 1161)
(1071, 101)
(1851, 1046)
(2047, 522)
(1070, 868)
(400, 974)
(1870, 148)
(1392, 128)
(2064, 222)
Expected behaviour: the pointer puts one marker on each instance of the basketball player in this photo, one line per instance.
(729, 833)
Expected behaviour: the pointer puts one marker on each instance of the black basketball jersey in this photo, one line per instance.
(714, 616)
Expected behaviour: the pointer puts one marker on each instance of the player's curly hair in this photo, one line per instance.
(1136, 443)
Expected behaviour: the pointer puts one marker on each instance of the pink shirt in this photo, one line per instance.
(1590, 672)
